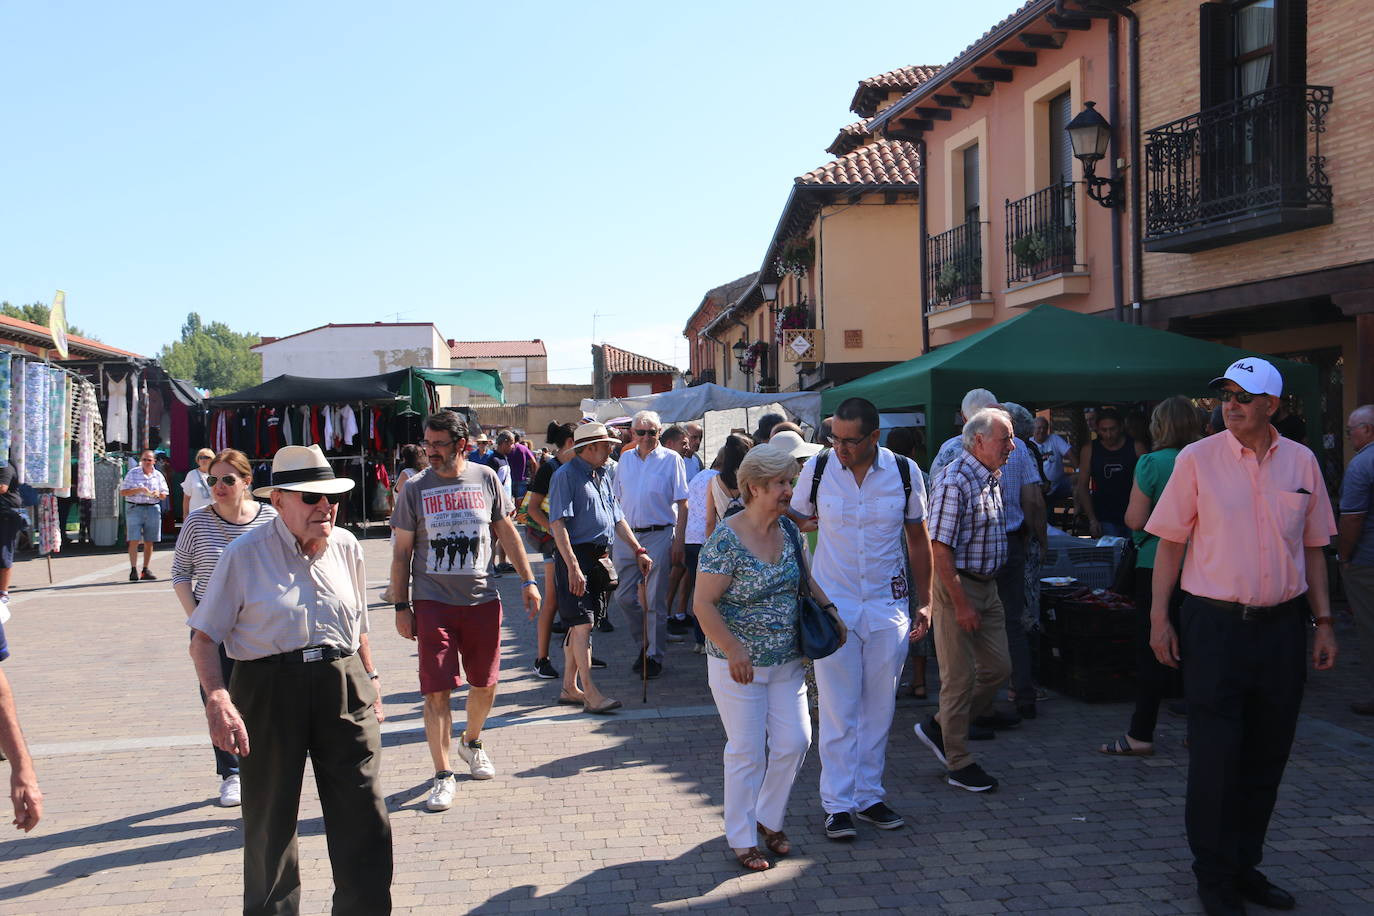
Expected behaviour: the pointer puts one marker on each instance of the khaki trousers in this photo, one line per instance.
(972, 665)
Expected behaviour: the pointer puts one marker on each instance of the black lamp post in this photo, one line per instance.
(740, 349)
(1090, 135)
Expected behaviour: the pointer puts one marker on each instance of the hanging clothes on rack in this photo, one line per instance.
(88, 413)
(348, 425)
(63, 443)
(4, 407)
(117, 410)
(36, 420)
(49, 530)
(18, 369)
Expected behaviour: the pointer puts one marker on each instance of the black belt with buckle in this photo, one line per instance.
(1250, 612)
(309, 654)
(651, 528)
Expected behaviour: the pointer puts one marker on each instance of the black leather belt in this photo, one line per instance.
(976, 577)
(651, 528)
(1248, 612)
(310, 654)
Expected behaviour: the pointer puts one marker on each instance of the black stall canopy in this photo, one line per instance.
(406, 387)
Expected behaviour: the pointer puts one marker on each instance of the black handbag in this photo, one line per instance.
(818, 633)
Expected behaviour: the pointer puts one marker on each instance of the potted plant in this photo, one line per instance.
(1031, 249)
(796, 255)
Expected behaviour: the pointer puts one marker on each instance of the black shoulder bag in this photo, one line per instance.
(818, 633)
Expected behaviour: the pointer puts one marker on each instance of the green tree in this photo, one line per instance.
(213, 356)
(38, 313)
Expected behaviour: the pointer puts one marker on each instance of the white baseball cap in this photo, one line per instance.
(1254, 375)
(794, 445)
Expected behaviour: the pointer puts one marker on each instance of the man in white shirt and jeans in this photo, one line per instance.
(864, 510)
(650, 484)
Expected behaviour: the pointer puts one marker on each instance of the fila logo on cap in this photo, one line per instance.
(1260, 377)
(1243, 367)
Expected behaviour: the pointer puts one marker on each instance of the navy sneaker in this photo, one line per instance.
(932, 737)
(840, 826)
(972, 778)
(881, 816)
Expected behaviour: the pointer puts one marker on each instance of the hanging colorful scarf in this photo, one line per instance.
(88, 414)
(4, 407)
(49, 533)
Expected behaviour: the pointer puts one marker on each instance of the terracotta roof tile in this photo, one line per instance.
(880, 162)
(875, 90)
(618, 361)
(39, 335)
(850, 138)
(496, 349)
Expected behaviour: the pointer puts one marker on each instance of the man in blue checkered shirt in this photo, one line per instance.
(968, 536)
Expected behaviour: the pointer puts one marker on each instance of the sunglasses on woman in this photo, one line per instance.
(227, 479)
(1240, 397)
(311, 499)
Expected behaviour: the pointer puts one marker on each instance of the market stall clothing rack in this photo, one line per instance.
(412, 391)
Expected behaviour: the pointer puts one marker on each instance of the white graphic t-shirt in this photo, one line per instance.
(451, 518)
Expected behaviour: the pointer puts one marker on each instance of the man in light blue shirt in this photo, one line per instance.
(1355, 541)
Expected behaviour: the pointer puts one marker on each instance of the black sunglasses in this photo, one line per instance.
(646, 432)
(311, 499)
(1240, 397)
(227, 479)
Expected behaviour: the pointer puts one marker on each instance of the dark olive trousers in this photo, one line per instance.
(323, 709)
(1244, 683)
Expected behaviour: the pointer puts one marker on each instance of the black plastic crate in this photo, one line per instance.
(1099, 685)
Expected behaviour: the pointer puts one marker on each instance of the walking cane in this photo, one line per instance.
(644, 649)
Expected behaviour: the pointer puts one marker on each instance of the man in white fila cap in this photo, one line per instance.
(1252, 512)
(288, 600)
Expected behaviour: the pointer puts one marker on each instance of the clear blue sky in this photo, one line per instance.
(504, 171)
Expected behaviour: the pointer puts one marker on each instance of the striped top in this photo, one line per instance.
(204, 535)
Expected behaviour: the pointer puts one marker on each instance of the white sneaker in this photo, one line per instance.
(230, 795)
(441, 794)
(479, 764)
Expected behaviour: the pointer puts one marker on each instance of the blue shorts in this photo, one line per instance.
(143, 523)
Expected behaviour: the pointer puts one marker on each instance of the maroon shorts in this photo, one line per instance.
(446, 632)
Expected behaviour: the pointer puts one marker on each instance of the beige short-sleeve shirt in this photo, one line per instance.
(266, 597)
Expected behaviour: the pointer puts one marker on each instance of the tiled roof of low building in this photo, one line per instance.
(872, 92)
(618, 361)
(38, 335)
(880, 162)
(850, 138)
(496, 349)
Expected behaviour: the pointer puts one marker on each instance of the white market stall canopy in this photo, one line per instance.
(693, 403)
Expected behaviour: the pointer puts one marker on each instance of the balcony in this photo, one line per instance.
(1242, 170)
(1041, 235)
(954, 277)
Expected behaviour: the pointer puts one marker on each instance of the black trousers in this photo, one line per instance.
(1153, 681)
(1244, 682)
(323, 709)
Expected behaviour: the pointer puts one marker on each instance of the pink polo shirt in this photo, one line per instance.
(1246, 523)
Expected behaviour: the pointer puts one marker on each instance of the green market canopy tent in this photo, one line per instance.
(1049, 356)
(405, 385)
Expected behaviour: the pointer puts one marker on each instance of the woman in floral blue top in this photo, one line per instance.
(746, 603)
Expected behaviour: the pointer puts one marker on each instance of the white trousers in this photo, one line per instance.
(857, 689)
(660, 547)
(764, 721)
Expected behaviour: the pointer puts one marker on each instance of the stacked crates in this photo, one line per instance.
(1087, 643)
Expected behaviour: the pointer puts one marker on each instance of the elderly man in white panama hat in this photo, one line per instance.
(287, 601)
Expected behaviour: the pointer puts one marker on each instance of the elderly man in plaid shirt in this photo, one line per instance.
(969, 540)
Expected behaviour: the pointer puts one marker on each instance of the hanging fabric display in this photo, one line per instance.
(36, 419)
(49, 533)
(64, 443)
(88, 413)
(117, 410)
(18, 368)
(4, 407)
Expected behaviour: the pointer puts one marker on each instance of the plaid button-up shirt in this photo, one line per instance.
(966, 514)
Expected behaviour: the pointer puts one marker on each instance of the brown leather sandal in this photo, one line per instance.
(753, 860)
(776, 841)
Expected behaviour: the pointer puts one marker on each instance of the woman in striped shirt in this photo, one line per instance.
(204, 535)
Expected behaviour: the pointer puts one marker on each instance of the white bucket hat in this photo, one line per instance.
(794, 445)
(303, 468)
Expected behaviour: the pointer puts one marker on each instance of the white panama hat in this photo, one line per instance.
(794, 445)
(303, 468)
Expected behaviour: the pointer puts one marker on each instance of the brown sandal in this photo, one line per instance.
(776, 841)
(753, 860)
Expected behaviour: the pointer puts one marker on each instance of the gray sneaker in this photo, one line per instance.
(441, 793)
(479, 764)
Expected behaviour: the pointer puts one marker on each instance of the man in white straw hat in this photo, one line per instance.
(288, 602)
(584, 517)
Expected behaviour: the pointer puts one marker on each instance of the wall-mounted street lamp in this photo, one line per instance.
(769, 291)
(1090, 135)
(687, 379)
(741, 350)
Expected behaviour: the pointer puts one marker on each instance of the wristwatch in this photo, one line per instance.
(1324, 621)
(373, 675)
(402, 606)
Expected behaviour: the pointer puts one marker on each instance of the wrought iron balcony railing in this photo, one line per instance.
(1241, 170)
(1040, 234)
(954, 266)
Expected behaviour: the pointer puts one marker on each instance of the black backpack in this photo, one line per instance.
(823, 456)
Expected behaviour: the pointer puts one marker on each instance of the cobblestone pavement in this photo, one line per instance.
(620, 814)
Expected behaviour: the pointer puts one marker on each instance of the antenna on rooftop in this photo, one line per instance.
(396, 316)
(596, 315)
